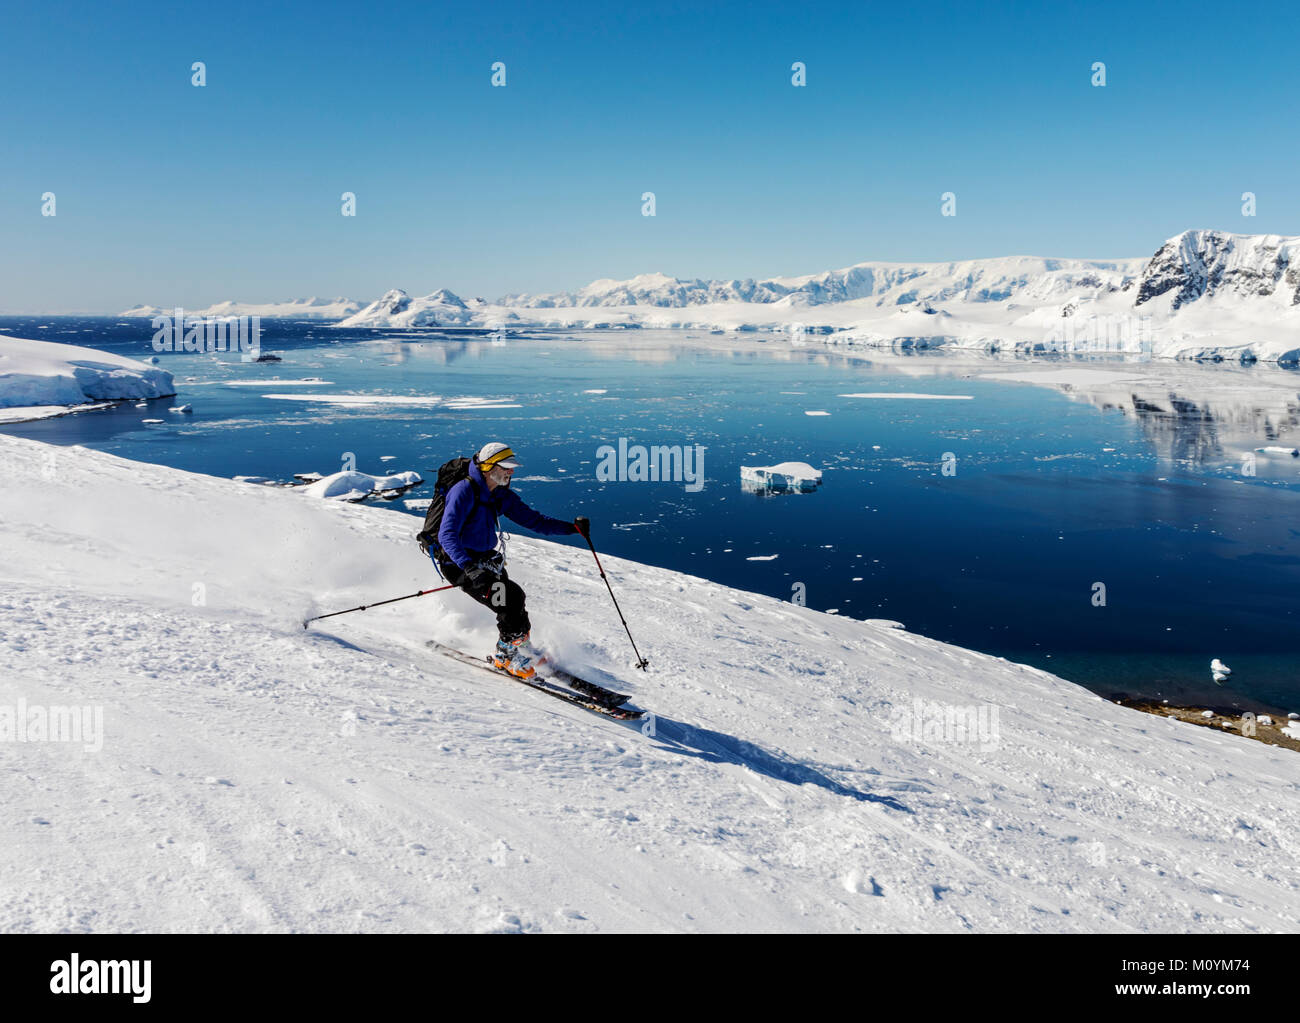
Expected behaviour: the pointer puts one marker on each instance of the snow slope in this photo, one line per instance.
(256, 776)
(43, 373)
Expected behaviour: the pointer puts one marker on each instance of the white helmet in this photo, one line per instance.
(490, 456)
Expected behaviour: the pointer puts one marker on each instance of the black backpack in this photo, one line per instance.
(449, 474)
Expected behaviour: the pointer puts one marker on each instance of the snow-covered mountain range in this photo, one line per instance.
(298, 309)
(887, 284)
(1203, 294)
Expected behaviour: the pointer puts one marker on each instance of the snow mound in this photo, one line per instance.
(46, 373)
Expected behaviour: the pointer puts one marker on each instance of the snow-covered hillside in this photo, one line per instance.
(40, 376)
(251, 775)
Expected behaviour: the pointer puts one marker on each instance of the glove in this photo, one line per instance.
(582, 526)
(480, 575)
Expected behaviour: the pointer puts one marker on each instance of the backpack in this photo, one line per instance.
(449, 474)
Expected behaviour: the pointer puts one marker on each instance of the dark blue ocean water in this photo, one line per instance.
(1050, 495)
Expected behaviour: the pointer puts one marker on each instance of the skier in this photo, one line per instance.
(464, 549)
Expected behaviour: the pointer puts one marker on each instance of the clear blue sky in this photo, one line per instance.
(172, 194)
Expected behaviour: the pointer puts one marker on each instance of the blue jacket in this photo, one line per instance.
(469, 521)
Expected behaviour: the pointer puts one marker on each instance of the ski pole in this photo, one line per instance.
(377, 603)
(584, 529)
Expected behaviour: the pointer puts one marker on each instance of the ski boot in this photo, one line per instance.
(515, 657)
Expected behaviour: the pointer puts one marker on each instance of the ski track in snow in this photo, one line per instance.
(258, 777)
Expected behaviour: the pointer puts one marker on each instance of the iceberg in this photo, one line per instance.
(787, 477)
(42, 373)
(357, 486)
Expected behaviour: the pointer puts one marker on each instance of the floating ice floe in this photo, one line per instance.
(304, 382)
(151, 420)
(912, 396)
(477, 406)
(360, 399)
(26, 413)
(357, 486)
(1275, 450)
(787, 477)
(181, 408)
(1219, 671)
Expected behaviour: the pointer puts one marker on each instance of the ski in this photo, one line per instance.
(603, 696)
(540, 684)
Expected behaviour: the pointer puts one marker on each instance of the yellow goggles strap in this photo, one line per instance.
(500, 456)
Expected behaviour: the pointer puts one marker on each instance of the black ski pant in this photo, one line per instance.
(502, 596)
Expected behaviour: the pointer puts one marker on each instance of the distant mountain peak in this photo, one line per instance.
(442, 308)
(1194, 264)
